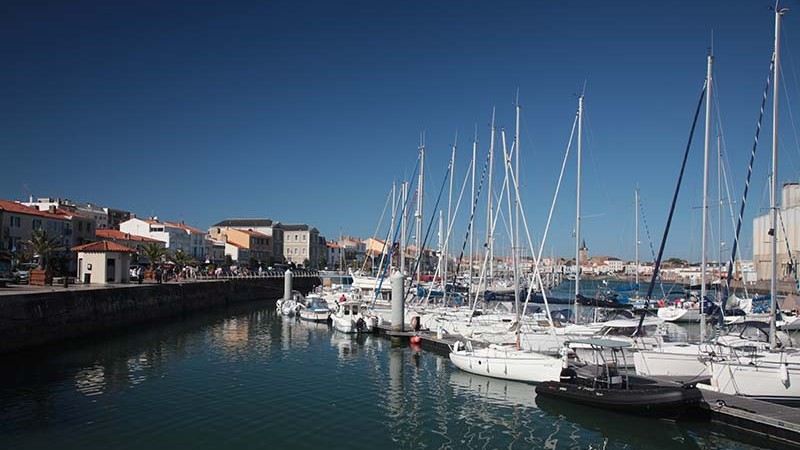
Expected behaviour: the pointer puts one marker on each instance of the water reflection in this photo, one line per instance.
(249, 378)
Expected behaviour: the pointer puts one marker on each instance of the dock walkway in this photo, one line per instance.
(769, 420)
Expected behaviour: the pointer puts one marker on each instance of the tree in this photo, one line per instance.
(154, 253)
(43, 245)
(181, 260)
(306, 263)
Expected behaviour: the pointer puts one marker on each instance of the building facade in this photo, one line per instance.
(258, 245)
(787, 235)
(301, 244)
(273, 230)
(174, 237)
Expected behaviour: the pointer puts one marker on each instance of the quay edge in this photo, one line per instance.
(51, 314)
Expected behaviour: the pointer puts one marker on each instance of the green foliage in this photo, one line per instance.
(43, 245)
(154, 253)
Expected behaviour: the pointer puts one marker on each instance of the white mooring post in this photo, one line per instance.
(398, 301)
(287, 285)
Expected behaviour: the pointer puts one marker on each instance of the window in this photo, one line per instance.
(80, 226)
(15, 221)
(304, 250)
(295, 238)
(37, 224)
(304, 238)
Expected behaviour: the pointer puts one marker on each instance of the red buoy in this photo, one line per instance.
(416, 339)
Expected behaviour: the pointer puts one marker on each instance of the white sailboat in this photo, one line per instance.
(772, 375)
(513, 362)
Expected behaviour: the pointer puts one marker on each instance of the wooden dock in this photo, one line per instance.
(767, 420)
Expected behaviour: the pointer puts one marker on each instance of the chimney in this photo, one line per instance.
(51, 209)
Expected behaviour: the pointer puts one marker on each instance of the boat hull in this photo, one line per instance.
(315, 316)
(659, 401)
(509, 364)
(774, 377)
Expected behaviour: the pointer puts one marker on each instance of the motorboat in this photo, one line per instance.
(290, 307)
(609, 386)
(353, 316)
(315, 310)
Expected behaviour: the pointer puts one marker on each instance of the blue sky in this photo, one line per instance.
(307, 111)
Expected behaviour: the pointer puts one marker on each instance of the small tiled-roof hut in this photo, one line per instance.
(103, 262)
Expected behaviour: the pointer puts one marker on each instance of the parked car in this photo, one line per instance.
(21, 276)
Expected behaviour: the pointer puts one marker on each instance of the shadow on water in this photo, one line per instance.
(620, 429)
(114, 360)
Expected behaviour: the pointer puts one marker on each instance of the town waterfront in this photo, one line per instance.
(247, 377)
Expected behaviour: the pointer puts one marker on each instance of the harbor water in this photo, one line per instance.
(246, 377)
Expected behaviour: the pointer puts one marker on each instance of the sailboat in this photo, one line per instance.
(739, 363)
(514, 362)
(773, 375)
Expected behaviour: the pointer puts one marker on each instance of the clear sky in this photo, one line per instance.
(307, 111)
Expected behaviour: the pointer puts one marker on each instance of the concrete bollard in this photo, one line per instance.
(398, 301)
(287, 285)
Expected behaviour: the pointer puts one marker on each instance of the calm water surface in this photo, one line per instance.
(248, 378)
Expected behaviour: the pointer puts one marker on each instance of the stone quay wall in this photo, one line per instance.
(37, 318)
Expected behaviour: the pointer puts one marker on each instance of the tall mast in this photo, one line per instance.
(773, 285)
(578, 211)
(394, 217)
(516, 248)
(636, 236)
(719, 211)
(403, 215)
(472, 216)
(449, 210)
(418, 215)
(489, 208)
(704, 233)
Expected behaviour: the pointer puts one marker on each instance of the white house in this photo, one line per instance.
(103, 262)
(175, 237)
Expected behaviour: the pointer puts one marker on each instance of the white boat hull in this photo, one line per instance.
(774, 377)
(672, 362)
(673, 314)
(509, 364)
(315, 316)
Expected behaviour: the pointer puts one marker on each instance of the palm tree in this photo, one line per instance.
(154, 252)
(43, 245)
(181, 260)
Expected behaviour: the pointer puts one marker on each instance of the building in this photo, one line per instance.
(197, 240)
(215, 252)
(103, 262)
(274, 230)
(762, 226)
(258, 246)
(130, 240)
(17, 222)
(99, 214)
(335, 256)
(301, 244)
(116, 217)
(354, 249)
(174, 236)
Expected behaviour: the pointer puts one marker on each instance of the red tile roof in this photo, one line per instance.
(102, 247)
(19, 208)
(122, 236)
(185, 227)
